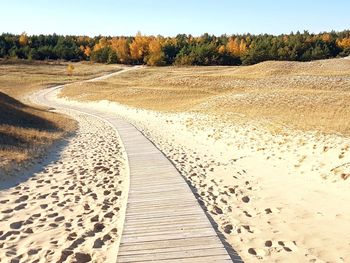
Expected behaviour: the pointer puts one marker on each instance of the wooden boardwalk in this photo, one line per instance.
(164, 222)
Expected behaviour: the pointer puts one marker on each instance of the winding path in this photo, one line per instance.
(164, 222)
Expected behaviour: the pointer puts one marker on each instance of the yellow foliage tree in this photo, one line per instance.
(222, 49)
(139, 47)
(23, 39)
(156, 55)
(87, 51)
(233, 46)
(242, 47)
(236, 47)
(103, 42)
(70, 69)
(326, 37)
(121, 47)
(344, 43)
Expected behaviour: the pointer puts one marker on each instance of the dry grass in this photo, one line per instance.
(26, 131)
(307, 96)
(18, 78)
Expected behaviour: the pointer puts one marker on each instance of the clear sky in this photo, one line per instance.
(170, 17)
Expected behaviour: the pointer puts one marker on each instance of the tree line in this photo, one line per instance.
(183, 49)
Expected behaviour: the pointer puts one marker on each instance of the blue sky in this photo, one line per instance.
(170, 17)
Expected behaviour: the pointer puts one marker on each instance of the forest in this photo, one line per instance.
(183, 49)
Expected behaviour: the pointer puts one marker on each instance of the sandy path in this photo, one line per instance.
(276, 198)
(72, 209)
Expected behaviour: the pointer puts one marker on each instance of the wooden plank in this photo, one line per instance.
(201, 259)
(157, 227)
(170, 243)
(162, 221)
(147, 204)
(159, 210)
(170, 249)
(189, 254)
(157, 231)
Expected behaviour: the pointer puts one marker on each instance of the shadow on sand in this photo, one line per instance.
(53, 155)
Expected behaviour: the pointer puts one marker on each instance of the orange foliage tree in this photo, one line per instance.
(222, 49)
(236, 47)
(87, 51)
(102, 43)
(344, 43)
(23, 39)
(121, 47)
(156, 55)
(139, 47)
(326, 37)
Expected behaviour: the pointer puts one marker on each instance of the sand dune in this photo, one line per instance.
(70, 211)
(276, 197)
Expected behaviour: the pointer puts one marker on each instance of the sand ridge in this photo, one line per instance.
(70, 210)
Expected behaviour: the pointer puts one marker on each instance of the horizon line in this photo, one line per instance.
(187, 34)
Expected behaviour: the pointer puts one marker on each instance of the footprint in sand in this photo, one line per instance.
(20, 207)
(246, 199)
(268, 211)
(59, 218)
(247, 214)
(22, 199)
(98, 243)
(259, 252)
(7, 211)
(52, 215)
(271, 210)
(289, 246)
(16, 225)
(82, 257)
(43, 206)
(228, 228)
(98, 227)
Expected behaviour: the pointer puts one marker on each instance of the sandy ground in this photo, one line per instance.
(276, 197)
(72, 209)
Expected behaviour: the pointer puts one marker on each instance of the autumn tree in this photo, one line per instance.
(344, 43)
(70, 69)
(236, 47)
(102, 52)
(121, 47)
(23, 39)
(156, 55)
(139, 48)
(242, 47)
(222, 49)
(87, 51)
(326, 37)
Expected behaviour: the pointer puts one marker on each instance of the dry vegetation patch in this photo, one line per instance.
(303, 95)
(27, 131)
(18, 78)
